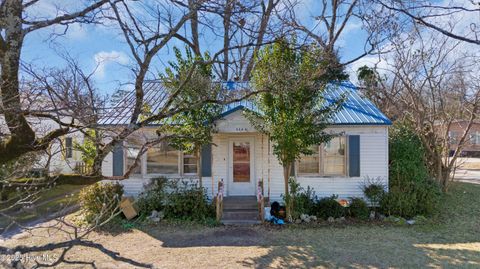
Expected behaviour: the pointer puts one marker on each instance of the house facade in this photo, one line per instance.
(471, 147)
(240, 156)
(60, 157)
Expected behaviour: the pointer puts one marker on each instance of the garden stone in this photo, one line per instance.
(411, 222)
(156, 220)
(331, 219)
(372, 215)
(381, 216)
(303, 217)
(154, 214)
(313, 218)
(161, 214)
(298, 221)
(307, 219)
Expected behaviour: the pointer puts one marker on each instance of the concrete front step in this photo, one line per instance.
(241, 210)
(240, 202)
(240, 222)
(234, 206)
(240, 215)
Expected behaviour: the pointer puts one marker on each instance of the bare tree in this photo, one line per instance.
(15, 24)
(434, 15)
(330, 23)
(432, 81)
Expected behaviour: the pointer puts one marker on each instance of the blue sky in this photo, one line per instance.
(102, 48)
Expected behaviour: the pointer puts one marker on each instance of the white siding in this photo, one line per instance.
(107, 165)
(373, 162)
(54, 154)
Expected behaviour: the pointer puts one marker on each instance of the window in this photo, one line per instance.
(68, 147)
(134, 145)
(334, 157)
(453, 137)
(132, 154)
(162, 159)
(328, 159)
(310, 164)
(475, 138)
(241, 162)
(190, 164)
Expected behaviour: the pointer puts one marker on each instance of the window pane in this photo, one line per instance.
(309, 164)
(189, 164)
(334, 152)
(241, 162)
(68, 147)
(162, 159)
(134, 143)
(132, 154)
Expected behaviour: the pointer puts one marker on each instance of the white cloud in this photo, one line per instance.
(105, 58)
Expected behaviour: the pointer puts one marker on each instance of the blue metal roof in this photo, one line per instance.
(355, 110)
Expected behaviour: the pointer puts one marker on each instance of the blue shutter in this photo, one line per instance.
(118, 160)
(354, 155)
(206, 160)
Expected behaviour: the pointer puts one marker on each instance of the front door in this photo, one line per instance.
(241, 167)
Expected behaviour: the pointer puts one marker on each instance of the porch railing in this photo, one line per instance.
(219, 200)
(261, 201)
(82, 169)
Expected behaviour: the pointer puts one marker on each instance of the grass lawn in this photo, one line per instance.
(49, 202)
(453, 240)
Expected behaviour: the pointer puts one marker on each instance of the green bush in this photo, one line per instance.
(329, 207)
(153, 197)
(300, 201)
(418, 198)
(411, 191)
(187, 201)
(75, 179)
(374, 190)
(100, 200)
(358, 209)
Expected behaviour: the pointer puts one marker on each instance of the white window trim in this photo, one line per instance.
(182, 158)
(143, 166)
(66, 148)
(321, 167)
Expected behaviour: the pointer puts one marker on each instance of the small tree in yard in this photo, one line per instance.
(192, 128)
(292, 107)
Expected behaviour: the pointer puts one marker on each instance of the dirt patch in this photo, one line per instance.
(453, 242)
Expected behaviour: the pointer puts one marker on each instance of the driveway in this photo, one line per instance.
(468, 175)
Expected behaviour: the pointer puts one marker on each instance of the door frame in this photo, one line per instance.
(241, 189)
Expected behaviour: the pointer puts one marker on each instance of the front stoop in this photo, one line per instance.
(240, 210)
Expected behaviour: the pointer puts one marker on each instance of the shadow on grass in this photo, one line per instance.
(453, 242)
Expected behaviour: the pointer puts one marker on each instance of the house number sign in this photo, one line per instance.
(241, 129)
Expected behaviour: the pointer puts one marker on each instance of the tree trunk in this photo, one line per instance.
(226, 37)
(286, 175)
(194, 28)
(261, 33)
(22, 137)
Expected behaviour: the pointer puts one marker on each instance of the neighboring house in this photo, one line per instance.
(471, 148)
(241, 156)
(60, 156)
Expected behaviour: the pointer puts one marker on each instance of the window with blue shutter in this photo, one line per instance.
(206, 160)
(354, 155)
(118, 160)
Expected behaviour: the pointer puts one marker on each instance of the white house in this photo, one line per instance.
(241, 156)
(60, 157)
